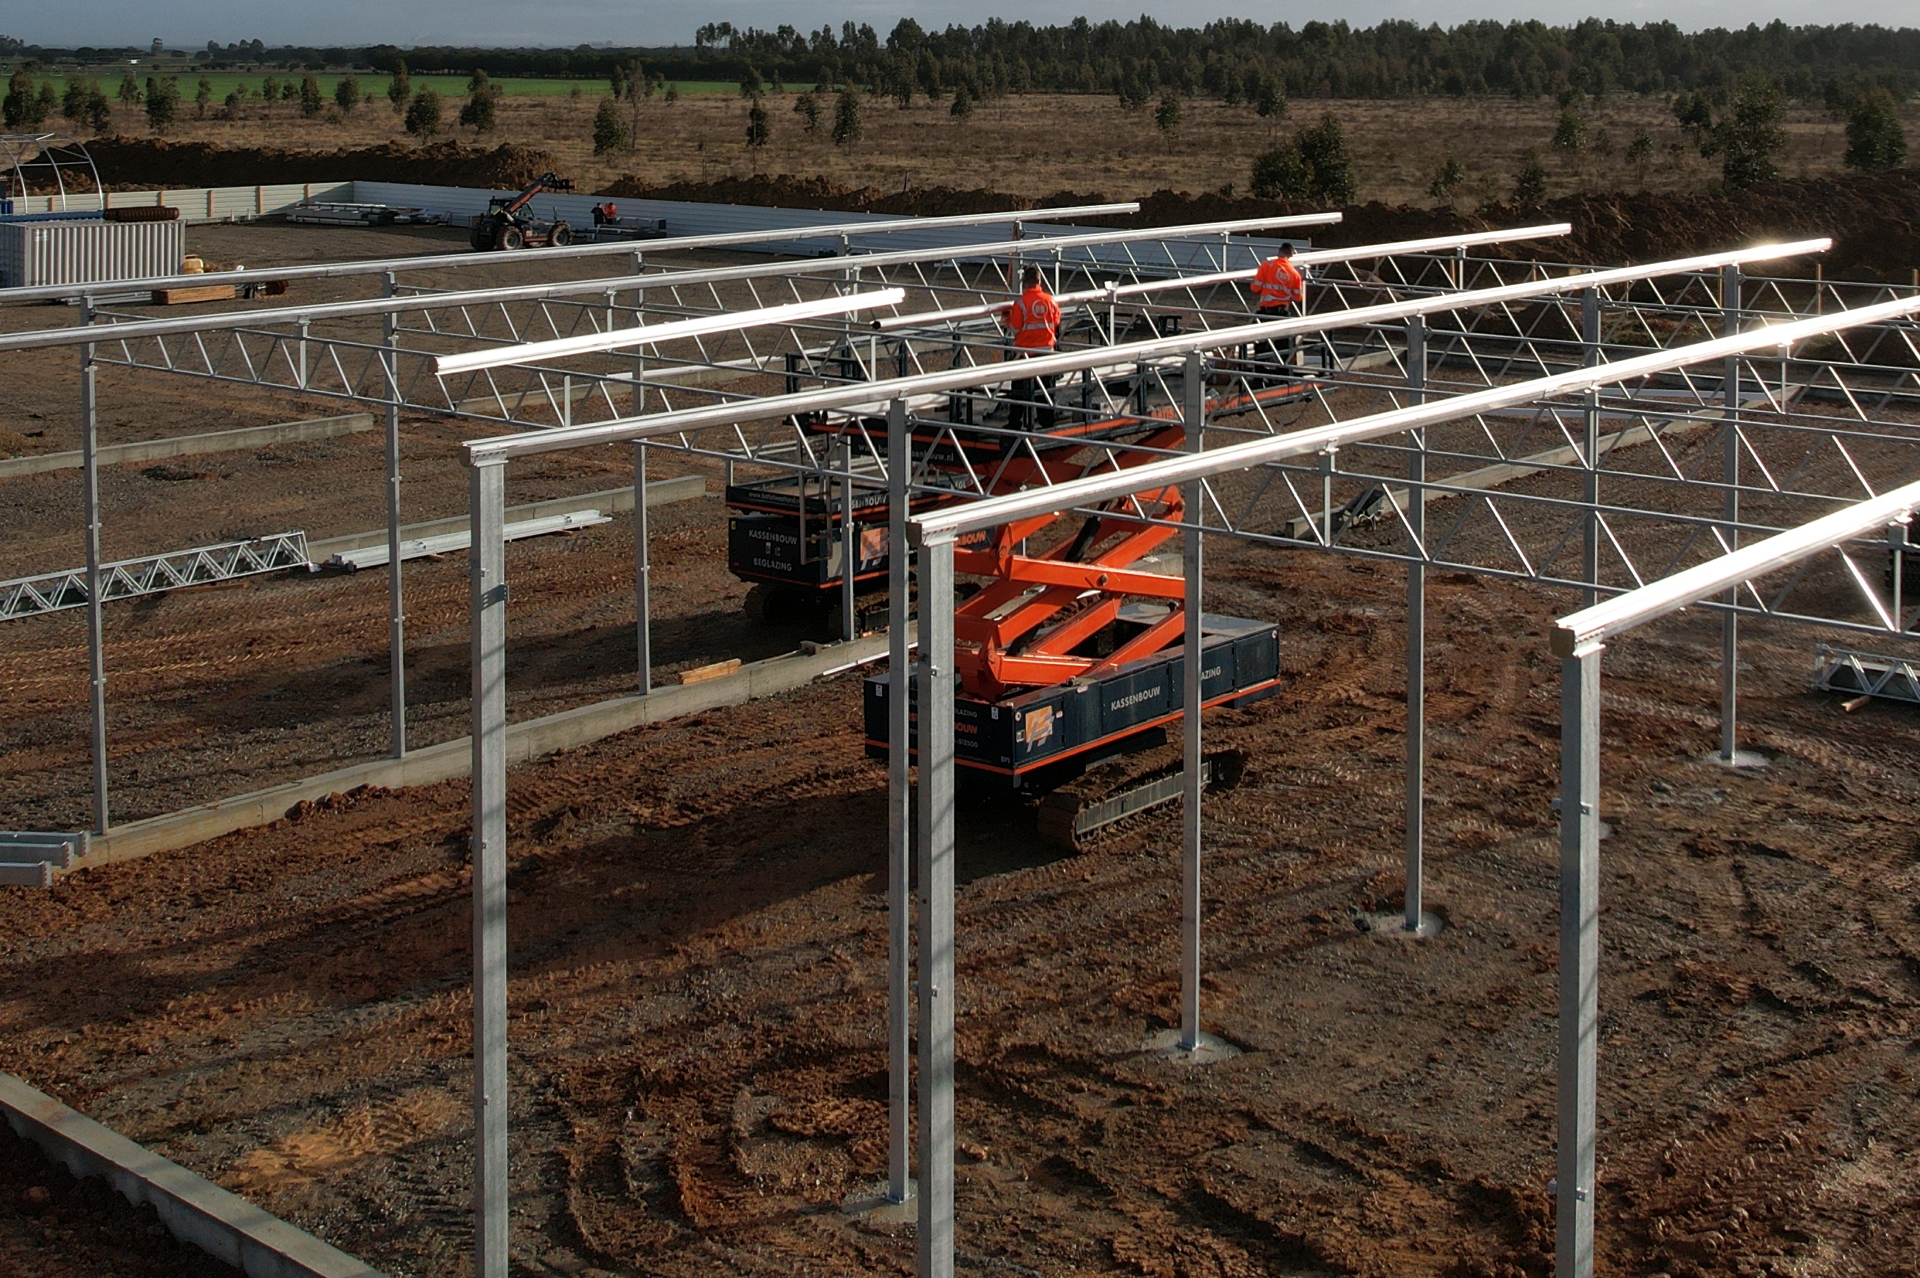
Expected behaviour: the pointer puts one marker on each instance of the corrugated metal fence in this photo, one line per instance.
(243, 203)
(196, 203)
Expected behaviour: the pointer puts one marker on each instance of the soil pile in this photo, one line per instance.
(1874, 218)
(129, 163)
(788, 191)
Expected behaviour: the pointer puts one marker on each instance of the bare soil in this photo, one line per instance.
(697, 913)
(54, 1226)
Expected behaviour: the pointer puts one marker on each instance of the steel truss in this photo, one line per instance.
(1636, 460)
(153, 574)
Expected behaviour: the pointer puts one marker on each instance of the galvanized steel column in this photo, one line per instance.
(849, 539)
(935, 1234)
(1416, 633)
(1590, 418)
(642, 571)
(899, 814)
(1579, 958)
(1193, 413)
(1730, 512)
(488, 577)
(96, 637)
(396, 611)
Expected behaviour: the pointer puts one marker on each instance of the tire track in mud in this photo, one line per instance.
(698, 1000)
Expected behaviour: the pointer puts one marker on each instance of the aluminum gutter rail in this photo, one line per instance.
(79, 335)
(1578, 632)
(1312, 257)
(653, 334)
(941, 526)
(527, 443)
(464, 258)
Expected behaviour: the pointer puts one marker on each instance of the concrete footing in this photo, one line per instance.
(525, 741)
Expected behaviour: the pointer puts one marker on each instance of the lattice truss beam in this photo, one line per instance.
(946, 322)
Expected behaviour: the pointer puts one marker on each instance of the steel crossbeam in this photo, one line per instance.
(152, 574)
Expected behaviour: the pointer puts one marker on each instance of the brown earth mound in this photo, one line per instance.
(126, 163)
(787, 191)
(1874, 218)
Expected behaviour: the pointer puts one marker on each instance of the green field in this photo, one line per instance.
(372, 84)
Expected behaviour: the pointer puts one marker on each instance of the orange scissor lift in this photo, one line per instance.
(1071, 656)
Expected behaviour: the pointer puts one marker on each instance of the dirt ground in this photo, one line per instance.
(697, 913)
(1035, 145)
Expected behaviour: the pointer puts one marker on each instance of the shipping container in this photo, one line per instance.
(88, 252)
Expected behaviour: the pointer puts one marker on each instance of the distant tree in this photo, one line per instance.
(573, 93)
(1270, 102)
(97, 112)
(807, 107)
(202, 98)
(1875, 140)
(1314, 166)
(847, 125)
(423, 114)
(962, 104)
(751, 85)
(270, 90)
(289, 90)
(163, 102)
(400, 88)
(346, 94)
(1570, 134)
(230, 109)
(1749, 134)
(609, 129)
(759, 128)
(1166, 116)
(48, 101)
(898, 80)
(310, 98)
(672, 94)
(1447, 179)
(1639, 154)
(1743, 129)
(18, 108)
(73, 103)
(481, 99)
(1530, 182)
(129, 89)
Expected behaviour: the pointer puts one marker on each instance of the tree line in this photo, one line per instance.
(1229, 58)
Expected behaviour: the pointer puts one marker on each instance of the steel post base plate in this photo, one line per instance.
(1393, 923)
(1744, 759)
(1168, 1044)
(871, 1202)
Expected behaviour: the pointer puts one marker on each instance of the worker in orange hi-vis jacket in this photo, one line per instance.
(1279, 290)
(1034, 323)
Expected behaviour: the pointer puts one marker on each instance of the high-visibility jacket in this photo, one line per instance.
(1278, 283)
(1034, 320)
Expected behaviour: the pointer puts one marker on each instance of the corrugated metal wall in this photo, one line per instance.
(81, 252)
(685, 218)
(199, 203)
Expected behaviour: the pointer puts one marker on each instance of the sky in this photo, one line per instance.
(191, 23)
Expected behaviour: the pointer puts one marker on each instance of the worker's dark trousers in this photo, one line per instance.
(1276, 356)
(1024, 393)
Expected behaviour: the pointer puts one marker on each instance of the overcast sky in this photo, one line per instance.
(191, 23)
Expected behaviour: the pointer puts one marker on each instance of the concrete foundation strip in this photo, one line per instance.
(194, 1210)
(222, 441)
(525, 742)
(613, 501)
